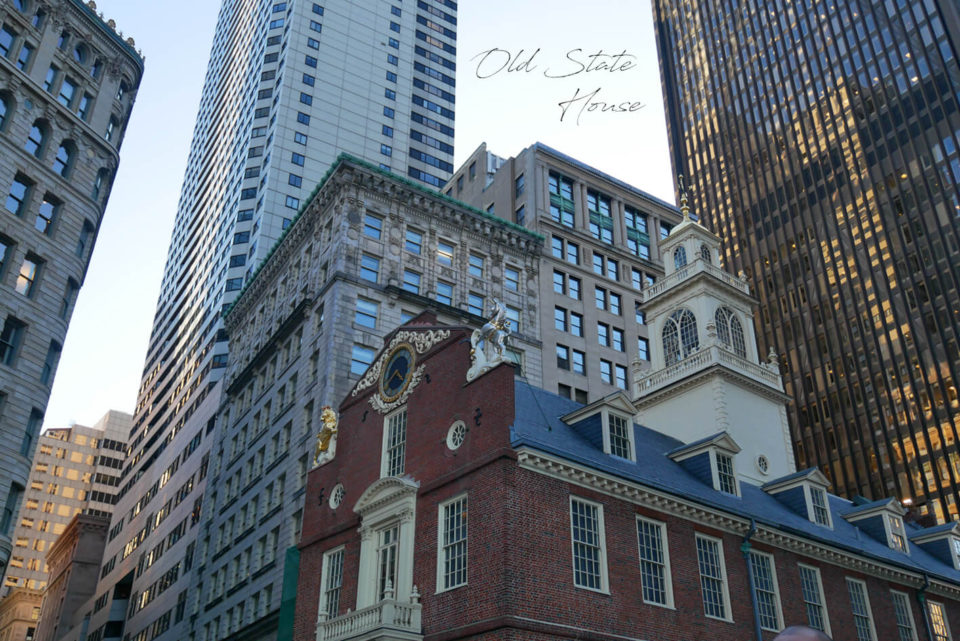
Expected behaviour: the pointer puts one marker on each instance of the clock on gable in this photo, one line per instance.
(397, 372)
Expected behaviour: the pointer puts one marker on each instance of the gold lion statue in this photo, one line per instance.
(326, 434)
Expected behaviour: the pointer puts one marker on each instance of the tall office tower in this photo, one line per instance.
(76, 470)
(67, 85)
(289, 86)
(822, 139)
(603, 238)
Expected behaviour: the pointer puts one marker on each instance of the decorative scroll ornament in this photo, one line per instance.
(487, 343)
(382, 405)
(421, 342)
(326, 447)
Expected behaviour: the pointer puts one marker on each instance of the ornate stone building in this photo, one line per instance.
(67, 85)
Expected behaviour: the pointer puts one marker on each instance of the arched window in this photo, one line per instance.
(80, 53)
(64, 159)
(99, 183)
(705, 254)
(5, 108)
(679, 257)
(21, 5)
(64, 39)
(96, 67)
(730, 331)
(680, 336)
(38, 19)
(37, 138)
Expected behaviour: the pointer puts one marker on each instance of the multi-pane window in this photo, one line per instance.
(619, 430)
(444, 292)
(576, 324)
(332, 583)
(726, 479)
(387, 548)
(601, 221)
(730, 331)
(579, 362)
(19, 193)
(563, 357)
(904, 617)
(818, 499)
(35, 140)
(411, 281)
(360, 359)
(61, 163)
(638, 241)
(616, 337)
(620, 376)
(679, 336)
(586, 529)
(938, 621)
(10, 338)
(603, 334)
(654, 562)
(452, 564)
(812, 591)
(413, 242)
(46, 213)
(561, 199)
(560, 319)
(475, 304)
(898, 538)
(566, 285)
(765, 590)
(513, 315)
(373, 226)
(369, 268)
(475, 266)
(366, 313)
(566, 250)
(860, 606)
(606, 372)
(713, 577)
(511, 278)
(27, 277)
(643, 348)
(68, 89)
(445, 253)
(395, 443)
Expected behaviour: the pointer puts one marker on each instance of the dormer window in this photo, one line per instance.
(818, 501)
(804, 493)
(898, 538)
(882, 520)
(619, 435)
(955, 547)
(679, 257)
(726, 479)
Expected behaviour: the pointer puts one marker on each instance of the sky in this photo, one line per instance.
(524, 75)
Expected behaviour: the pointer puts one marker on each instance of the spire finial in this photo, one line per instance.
(684, 204)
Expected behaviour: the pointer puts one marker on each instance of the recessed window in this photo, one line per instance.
(10, 338)
(445, 253)
(394, 443)
(361, 357)
(903, 614)
(475, 267)
(444, 292)
(297, 159)
(655, 582)
(765, 589)
(511, 278)
(36, 139)
(369, 268)
(589, 545)
(26, 52)
(411, 281)
(818, 501)
(19, 194)
(620, 431)
(366, 313)
(938, 621)
(372, 226)
(46, 214)
(860, 607)
(63, 160)
(726, 479)
(452, 544)
(713, 577)
(294, 180)
(680, 338)
(332, 581)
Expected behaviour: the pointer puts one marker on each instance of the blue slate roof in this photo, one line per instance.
(537, 426)
(865, 507)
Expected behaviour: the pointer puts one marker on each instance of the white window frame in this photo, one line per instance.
(903, 599)
(724, 585)
(442, 547)
(955, 551)
(607, 414)
(328, 557)
(939, 635)
(778, 610)
(665, 564)
(862, 588)
(811, 508)
(385, 449)
(715, 470)
(820, 594)
(602, 547)
(894, 527)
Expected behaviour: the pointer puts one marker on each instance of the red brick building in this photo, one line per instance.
(448, 509)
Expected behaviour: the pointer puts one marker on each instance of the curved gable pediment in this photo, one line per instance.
(385, 491)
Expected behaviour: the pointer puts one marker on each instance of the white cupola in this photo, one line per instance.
(706, 375)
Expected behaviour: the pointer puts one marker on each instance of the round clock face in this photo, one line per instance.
(396, 373)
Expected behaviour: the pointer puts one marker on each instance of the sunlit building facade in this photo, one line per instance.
(822, 140)
(289, 86)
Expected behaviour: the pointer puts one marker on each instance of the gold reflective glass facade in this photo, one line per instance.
(822, 139)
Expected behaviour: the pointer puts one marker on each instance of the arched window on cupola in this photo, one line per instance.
(705, 254)
(679, 257)
(680, 336)
(730, 331)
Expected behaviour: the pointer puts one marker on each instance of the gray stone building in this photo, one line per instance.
(67, 85)
(369, 252)
(601, 250)
(76, 470)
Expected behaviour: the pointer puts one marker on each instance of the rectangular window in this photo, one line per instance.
(19, 194)
(475, 268)
(812, 589)
(297, 159)
(860, 606)
(579, 362)
(601, 221)
(10, 338)
(513, 315)
(765, 590)
(606, 372)
(316, 26)
(654, 562)
(560, 319)
(387, 549)
(561, 199)
(563, 357)
(725, 476)
(576, 324)
(904, 617)
(589, 549)
(372, 226)
(294, 180)
(394, 443)
(411, 281)
(643, 348)
(27, 278)
(620, 373)
(445, 253)
(332, 582)
(444, 293)
(938, 621)
(369, 268)
(414, 242)
(366, 313)
(818, 498)
(603, 334)
(619, 428)
(360, 359)
(452, 544)
(713, 577)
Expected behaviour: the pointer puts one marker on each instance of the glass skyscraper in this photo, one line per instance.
(289, 86)
(821, 139)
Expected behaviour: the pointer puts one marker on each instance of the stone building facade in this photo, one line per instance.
(67, 85)
(369, 252)
(601, 240)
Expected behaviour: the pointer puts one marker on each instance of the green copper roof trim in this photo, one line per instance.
(110, 32)
(345, 157)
